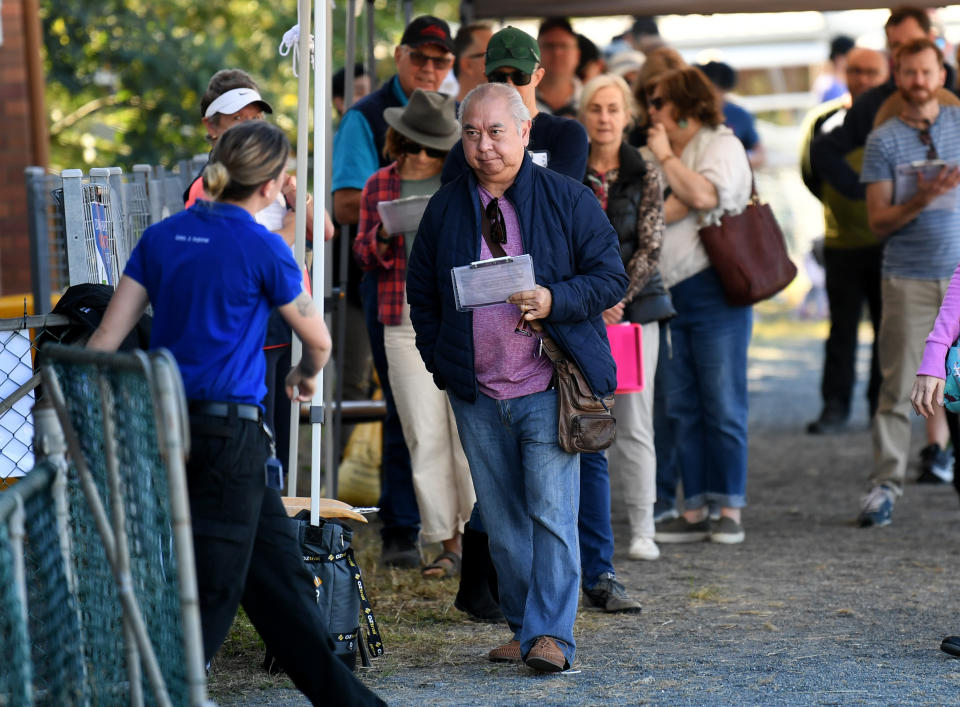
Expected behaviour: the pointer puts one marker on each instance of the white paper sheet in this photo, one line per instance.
(905, 185)
(487, 282)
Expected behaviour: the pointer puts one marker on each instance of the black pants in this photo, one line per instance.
(247, 553)
(853, 276)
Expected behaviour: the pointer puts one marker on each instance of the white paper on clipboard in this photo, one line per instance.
(905, 185)
(487, 282)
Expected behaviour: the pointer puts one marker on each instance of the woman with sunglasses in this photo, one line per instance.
(418, 138)
(629, 190)
(705, 378)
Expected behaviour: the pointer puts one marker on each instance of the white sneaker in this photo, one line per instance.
(643, 549)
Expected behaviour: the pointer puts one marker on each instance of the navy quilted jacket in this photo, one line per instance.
(575, 253)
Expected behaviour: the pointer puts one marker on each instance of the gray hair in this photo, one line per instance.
(487, 91)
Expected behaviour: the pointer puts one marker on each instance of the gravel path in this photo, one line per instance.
(809, 610)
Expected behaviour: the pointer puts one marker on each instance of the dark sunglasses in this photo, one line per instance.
(517, 77)
(419, 59)
(657, 103)
(927, 140)
(411, 148)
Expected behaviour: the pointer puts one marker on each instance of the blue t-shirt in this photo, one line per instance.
(355, 155)
(927, 248)
(742, 123)
(213, 274)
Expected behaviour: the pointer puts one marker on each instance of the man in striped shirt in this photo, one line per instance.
(922, 235)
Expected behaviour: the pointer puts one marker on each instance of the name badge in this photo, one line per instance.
(539, 157)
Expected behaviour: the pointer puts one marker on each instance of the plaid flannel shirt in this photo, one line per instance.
(391, 267)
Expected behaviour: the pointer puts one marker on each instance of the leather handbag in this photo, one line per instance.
(749, 253)
(585, 422)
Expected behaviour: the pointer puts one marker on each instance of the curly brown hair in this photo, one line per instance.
(691, 93)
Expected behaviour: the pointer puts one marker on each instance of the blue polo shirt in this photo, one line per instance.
(927, 248)
(355, 155)
(213, 274)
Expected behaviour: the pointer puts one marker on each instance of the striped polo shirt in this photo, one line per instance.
(927, 248)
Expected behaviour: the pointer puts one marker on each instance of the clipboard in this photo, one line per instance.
(402, 215)
(486, 282)
(905, 183)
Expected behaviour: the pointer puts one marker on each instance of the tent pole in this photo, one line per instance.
(371, 58)
(300, 242)
(340, 335)
(320, 92)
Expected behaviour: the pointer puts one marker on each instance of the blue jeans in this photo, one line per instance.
(706, 389)
(594, 520)
(529, 491)
(398, 502)
(596, 529)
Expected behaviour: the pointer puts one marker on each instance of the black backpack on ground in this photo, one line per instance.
(339, 590)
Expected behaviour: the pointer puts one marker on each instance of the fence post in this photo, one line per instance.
(120, 209)
(39, 238)
(154, 194)
(77, 267)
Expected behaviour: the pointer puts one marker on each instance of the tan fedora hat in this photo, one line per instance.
(429, 118)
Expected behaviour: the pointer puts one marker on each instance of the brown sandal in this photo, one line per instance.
(447, 562)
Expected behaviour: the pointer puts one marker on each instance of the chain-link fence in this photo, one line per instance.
(84, 227)
(96, 575)
(18, 388)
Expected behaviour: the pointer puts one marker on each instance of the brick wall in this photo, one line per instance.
(16, 151)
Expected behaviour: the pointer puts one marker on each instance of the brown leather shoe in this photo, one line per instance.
(509, 652)
(546, 656)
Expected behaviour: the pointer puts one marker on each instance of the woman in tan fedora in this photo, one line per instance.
(418, 137)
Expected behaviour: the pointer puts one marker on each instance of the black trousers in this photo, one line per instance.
(247, 553)
(853, 277)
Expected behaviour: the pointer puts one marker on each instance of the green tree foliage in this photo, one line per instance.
(124, 77)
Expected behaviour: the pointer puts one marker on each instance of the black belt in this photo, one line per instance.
(242, 410)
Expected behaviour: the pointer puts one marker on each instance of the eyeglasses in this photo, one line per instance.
(419, 59)
(927, 140)
(411, 148)
(656, 102)
(517, 77)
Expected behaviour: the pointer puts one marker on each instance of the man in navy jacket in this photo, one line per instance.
(499, 386)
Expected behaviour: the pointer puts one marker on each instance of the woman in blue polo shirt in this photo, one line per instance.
(213, 274)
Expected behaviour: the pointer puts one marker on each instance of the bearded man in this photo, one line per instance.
(922, 237)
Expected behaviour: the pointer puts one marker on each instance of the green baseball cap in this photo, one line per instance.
(514, 48)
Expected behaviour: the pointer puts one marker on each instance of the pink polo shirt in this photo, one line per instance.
(508, 365)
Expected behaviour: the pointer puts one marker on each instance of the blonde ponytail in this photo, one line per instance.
(216, 177)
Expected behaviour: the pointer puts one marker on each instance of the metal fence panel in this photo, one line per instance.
(20, 338)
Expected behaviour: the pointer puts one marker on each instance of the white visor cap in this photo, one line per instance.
(234, 100)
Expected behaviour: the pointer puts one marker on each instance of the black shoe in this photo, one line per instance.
(951, 645)
(831, 421)
(474, 596)
(400, 550)
(936, 465)
(611, 596)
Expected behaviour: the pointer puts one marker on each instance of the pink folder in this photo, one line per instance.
(626, 344)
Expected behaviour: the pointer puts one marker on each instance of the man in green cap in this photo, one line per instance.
(513, 57)
(560, 144)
